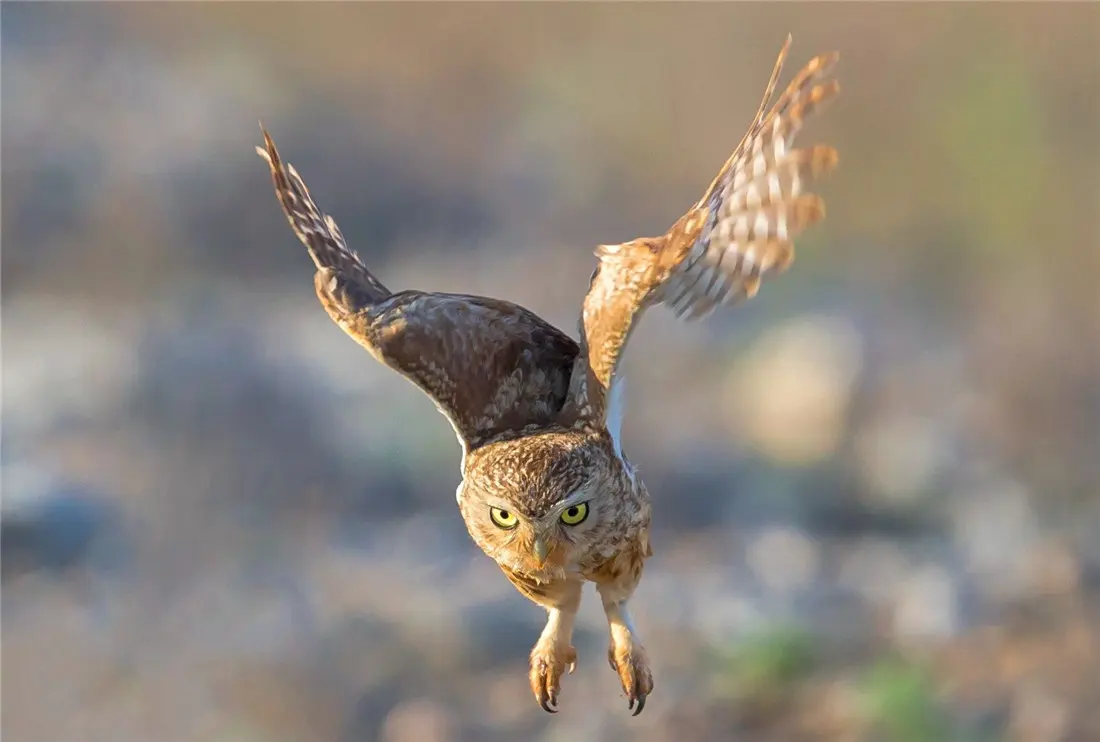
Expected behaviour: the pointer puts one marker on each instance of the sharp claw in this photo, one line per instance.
(545, 676)
(636, 681)
(547, 698)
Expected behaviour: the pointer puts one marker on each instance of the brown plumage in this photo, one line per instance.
(546, 490)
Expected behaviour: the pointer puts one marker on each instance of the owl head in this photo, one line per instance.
(541, 502)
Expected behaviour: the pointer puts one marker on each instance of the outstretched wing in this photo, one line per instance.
(740, 232)
(490, 366)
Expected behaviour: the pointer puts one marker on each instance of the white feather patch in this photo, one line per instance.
(615, 414)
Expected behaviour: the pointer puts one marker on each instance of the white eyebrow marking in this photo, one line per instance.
(582, 494)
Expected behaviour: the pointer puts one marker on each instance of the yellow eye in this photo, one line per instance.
(503, 518)
(575, 515)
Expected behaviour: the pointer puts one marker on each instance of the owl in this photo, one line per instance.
(546, 489)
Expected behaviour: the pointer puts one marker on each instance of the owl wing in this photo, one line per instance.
(489, 365)
(739, 233)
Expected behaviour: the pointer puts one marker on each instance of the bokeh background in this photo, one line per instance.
(877, 485)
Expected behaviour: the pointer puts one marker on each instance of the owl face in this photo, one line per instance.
(539, 504)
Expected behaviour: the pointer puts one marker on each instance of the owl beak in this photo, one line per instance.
(540, 550)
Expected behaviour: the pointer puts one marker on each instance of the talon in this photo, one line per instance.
(545, 694)
(546, 670)
(634, 674)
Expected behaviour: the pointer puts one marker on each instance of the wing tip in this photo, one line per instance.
(268, 150)
(822, 63)
(823, 160)
(809, 210)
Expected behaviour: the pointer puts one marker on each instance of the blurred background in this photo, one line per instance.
(876, 486)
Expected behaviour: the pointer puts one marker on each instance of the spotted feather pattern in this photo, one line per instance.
(490, 366)
(749, 217)
(319, 233)
(741, 231)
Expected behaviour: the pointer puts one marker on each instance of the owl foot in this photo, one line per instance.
(629, 661)
(547, 664)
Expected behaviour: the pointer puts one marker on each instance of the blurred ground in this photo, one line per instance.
(877, 485)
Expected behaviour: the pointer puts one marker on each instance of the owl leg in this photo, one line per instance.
(554, 652)
(626, 653)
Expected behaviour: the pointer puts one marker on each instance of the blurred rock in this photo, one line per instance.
(784, 559)
(900, 457)
(1053, 568)
(873, 568)
(996, 529)
(927, 606)
(55, 526)
(74, 365)
(1038, 716)
(790, 394)
(419, 721)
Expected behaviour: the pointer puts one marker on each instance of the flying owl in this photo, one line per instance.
(546, 489)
